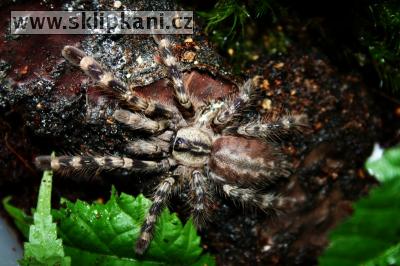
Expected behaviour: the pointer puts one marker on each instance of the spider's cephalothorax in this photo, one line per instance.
(217, 147)
(192, 147)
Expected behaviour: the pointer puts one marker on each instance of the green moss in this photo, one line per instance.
(383, 42)
(243, 30)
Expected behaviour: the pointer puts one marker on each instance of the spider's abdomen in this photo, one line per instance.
(246, 161)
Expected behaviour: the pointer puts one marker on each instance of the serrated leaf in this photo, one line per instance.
(104, 234)
(88, 258)
(387, 166)
(370, 235)
(43, 247)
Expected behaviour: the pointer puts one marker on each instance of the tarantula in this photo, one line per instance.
(217, 147)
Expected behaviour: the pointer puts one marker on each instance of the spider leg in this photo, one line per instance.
(106, 80)
(77, 163)
(159, 145)
(224, 112)
(160, 199)
(200, 198)
(164, 47)
(152, 147)
(235, 105)
(140, 122)
(246, 196)
(206, 114)
(273, 129)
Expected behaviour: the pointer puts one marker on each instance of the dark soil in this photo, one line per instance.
(43, 108)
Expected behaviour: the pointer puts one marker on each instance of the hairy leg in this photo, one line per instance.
(246, 196)
(234, 106)
(94, 163)
(153, 147)
(223, 112)
(206, 113)
(164, 47)
(160, 199)
(140, 122)
(273, 129)
(200, 197)
(106, 80)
